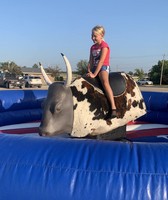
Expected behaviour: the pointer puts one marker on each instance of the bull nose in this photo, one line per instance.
(41, 132)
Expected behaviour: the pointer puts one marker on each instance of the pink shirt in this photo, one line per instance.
(96, 52)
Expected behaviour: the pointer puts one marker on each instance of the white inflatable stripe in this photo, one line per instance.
(128, 128)
(138, 127)
(20, 126)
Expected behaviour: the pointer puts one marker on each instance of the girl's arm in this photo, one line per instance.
(90, 64)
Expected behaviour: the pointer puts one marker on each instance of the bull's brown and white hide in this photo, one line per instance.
(91, 107)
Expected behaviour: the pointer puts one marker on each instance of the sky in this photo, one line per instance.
(33, 31)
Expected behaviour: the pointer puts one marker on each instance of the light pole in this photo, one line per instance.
(9, 62)
(161, 74)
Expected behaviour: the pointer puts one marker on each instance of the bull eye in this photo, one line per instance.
(55, 108)
(58, 108)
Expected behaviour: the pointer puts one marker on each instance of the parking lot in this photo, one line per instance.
(154, 88)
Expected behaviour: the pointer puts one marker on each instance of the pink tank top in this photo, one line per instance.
(96, 52)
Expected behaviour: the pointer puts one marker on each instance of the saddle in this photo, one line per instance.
(117, 83)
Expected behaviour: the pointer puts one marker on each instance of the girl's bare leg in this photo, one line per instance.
(104, 78)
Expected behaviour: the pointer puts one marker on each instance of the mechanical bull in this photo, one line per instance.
(80, 107)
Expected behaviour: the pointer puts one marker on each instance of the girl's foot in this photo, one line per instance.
(111, 114)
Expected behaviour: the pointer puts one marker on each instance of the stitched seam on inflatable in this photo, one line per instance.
(82, 170)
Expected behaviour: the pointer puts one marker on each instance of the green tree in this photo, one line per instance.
(11, 67)
(54, 71)
(140, 73)
(35, 66)
(155, 72)
(130, 73)
(82, 67)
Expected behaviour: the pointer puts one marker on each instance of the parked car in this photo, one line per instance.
(33, 81)
(10, 80)
(144, 82)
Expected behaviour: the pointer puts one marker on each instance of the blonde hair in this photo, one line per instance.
(99, 29)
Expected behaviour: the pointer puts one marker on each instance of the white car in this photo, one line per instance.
(33, 81)
(144, 82)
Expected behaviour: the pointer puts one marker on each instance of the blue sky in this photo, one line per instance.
(39, 30)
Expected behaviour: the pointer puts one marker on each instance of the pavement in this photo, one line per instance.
(154, 88)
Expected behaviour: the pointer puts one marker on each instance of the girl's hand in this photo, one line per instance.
(91, 75)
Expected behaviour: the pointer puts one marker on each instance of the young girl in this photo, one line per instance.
(99, 65)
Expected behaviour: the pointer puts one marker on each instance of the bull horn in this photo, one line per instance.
(47, 80)
(69, 71)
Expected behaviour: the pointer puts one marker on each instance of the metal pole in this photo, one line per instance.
(161, 74)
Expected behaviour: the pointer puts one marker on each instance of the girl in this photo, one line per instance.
(99, 65)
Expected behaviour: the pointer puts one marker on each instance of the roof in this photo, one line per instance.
(30, 70)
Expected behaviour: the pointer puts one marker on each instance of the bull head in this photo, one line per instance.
(58, 107)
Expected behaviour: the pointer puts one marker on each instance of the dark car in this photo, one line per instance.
(10, 80)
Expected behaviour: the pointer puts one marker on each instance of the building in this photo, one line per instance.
(37, 72)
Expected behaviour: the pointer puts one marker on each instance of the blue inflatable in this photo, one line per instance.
(20, 106)
(41, 168)
(157, 107)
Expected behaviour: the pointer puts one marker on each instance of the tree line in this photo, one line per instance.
(154, 73)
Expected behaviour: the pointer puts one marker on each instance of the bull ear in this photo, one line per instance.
(47, 80)
(69, 71)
